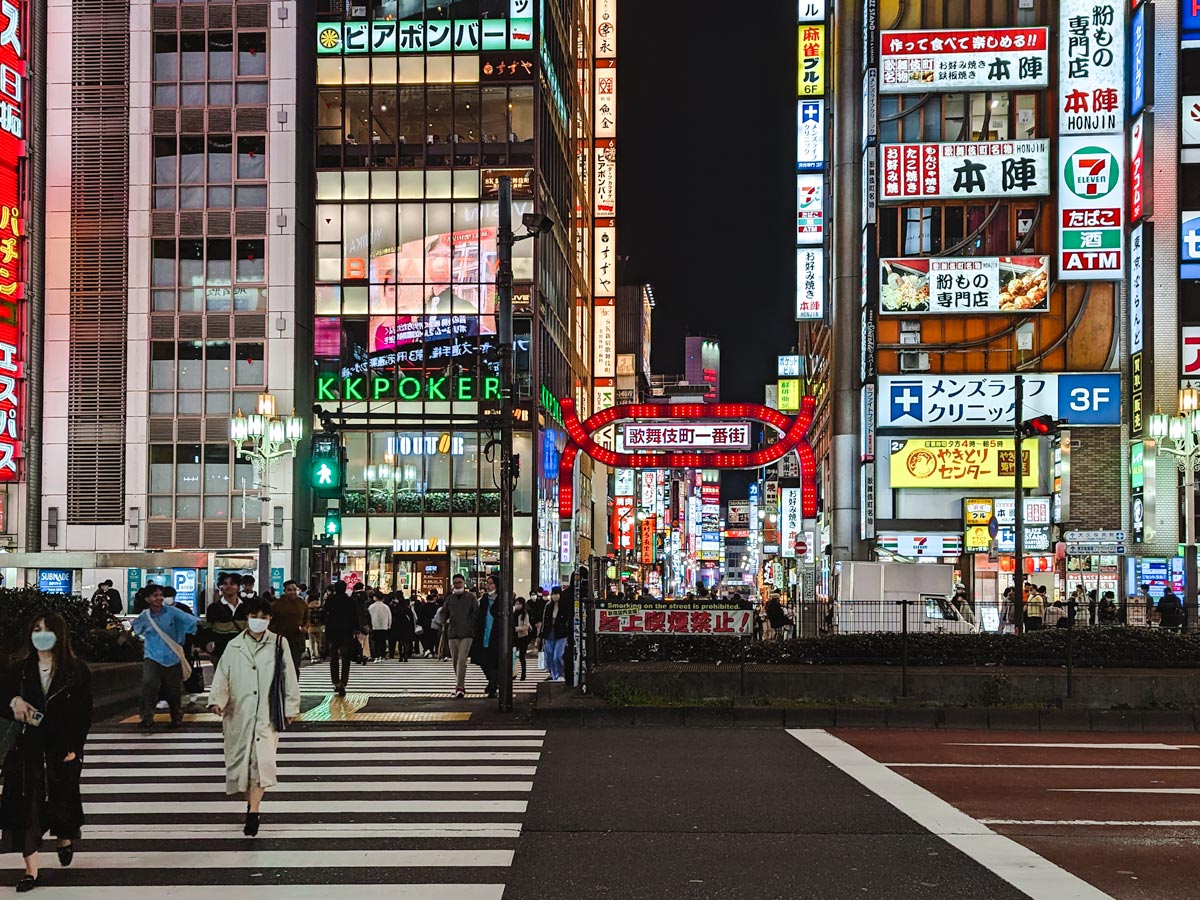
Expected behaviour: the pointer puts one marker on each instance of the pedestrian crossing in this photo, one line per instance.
(358, 815)
(416, 678)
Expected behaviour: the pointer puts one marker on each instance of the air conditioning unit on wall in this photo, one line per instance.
(911, 361)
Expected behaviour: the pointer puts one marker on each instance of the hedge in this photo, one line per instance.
(1094, 647)
(20, 605)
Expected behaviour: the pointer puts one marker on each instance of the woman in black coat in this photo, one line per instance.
(49, 690)
(485, 648)
(400, 637)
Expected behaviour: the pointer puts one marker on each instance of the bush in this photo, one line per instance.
(1094, 648)
(19, 605)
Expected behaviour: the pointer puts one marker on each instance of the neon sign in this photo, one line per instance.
(12, 275)
(433, 388)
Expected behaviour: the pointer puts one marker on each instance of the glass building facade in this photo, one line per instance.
(418, 112)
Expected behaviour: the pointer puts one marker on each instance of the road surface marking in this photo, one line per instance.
(1018, 865)
(924, 765)
(184, 831)
(396, 756)
(318, 787)
(278, 892)
(326, 807)
(337, 773)
(289, 747)
(432, 858)
(323, 735)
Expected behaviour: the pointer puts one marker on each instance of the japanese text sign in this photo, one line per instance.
(604, 122)
(810, 208)
(1091, 199)
(604, 263)
(961, 462)
(966, 170)
(12, 262)
(810, 283)
(972, 284)
(687, 436)
(811, 81)
(1082, 398)
(1091, 66)
(997, 59)
(810, 135)
(810, 11)
(606, 29)
(1140, 196)
(605, 172)
(671, 620)
(429, 36)
(791, 522)
(606, 341)
(623, 521)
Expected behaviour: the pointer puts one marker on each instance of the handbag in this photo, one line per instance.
(279, 690)
(417, 629)
(194, 683)
(10, 730)
(542, 659)
(185, 666)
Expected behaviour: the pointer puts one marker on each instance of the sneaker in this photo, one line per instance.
(460, 695)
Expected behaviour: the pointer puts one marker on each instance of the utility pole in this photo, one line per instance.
(504, 280)
(1019, 504)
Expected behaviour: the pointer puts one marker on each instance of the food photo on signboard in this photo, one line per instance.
(980, 284)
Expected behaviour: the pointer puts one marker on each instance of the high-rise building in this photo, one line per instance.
(302, 202)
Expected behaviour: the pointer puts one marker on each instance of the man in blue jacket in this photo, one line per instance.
(163, 628)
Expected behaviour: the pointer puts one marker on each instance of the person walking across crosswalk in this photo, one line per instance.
(256, 693)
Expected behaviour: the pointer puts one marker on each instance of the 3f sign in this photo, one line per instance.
(1087, 399)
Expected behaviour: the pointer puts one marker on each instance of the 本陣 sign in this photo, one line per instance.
(1091, 200)
(810, 283)
(972, 284)
(959, 171)
(1082, 398)
(12, 255)
(996, 59)
(692, 436)
(961, 462)
(673, 620)
(429, 36)
(1091, 66)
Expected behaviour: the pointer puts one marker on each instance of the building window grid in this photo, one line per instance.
(208, 274)
(190, 68)
(236, 179)
(205, 378)
(193, 482)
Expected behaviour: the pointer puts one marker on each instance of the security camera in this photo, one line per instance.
(537, 223)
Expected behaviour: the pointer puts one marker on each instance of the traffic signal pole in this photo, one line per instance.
(504, 593)
(1019, 504)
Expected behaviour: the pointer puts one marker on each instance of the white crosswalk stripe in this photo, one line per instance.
(432, 814)
(414, 678)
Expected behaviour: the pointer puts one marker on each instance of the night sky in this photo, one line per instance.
(706, 165)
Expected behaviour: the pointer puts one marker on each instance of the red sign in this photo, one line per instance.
(12, 257)
(801, 548)
(649, 530)
(1137, 170)
(623, 522)
(639, 620)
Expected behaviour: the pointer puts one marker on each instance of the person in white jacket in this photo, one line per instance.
(381, 621)
(253, 667)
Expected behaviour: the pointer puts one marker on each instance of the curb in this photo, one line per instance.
(947, 719)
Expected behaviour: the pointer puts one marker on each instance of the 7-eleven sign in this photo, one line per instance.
(1091, 224)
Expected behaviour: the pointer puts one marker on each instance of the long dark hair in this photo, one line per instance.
(64, 655)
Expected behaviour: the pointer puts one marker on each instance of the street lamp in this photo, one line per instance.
(263, 437)
(1183, 433)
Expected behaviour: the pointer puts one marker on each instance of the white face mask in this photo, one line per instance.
(257, 626)
(459, 590)
(168, 601)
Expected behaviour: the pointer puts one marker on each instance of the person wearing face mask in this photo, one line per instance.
(460, 609)
(49, 690)
(485, 648)
(165, 666)
(556, 626)
(256, 693)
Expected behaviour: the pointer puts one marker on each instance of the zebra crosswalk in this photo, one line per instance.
(364, 814)
(416, 678)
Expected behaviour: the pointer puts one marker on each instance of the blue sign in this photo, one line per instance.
(54, 581)
(184, 582)
(1137, 62)
(277, 580)
(1189, 19)
(1189, 245)
(906, 399)
(550, 455)
(1092, 398)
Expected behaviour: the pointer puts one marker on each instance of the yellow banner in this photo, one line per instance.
(812, 61)
(961, 463)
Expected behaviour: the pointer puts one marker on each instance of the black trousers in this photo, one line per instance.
(340, 655)
(378, 641)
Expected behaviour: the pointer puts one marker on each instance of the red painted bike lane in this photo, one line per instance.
(1121, 811)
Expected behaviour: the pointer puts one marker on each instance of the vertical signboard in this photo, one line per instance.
(1141, 135)
(1091, 66)
(812, 61)
(790, 521)
(810, 135)
(604, 121)
(1091, 230)
(606, 341)
(810, 283)
(12, 250)
(606, 29)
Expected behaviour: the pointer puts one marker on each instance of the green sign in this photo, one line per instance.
(434, 388)
(333, 522)
(551, 405)
(429, 36)
(1137, 465)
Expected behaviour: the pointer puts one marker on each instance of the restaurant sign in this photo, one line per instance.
(972, 284)
(965, 170)
(982, 59)
(961, 462)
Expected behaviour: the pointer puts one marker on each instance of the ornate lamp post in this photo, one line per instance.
(262, 438)
(1183, 434)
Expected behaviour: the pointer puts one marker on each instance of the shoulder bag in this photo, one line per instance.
(279, 690)
(175, 648)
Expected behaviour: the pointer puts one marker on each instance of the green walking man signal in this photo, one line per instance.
(326, 468)
(333, 522)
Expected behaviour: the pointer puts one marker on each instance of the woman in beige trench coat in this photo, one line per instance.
(241, 696)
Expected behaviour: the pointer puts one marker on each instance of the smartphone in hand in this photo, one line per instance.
(34, 717)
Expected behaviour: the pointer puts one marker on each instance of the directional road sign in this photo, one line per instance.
(1095, 549)
(1095, 537)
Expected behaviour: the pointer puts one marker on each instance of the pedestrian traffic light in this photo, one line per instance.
(333, 522)
(325, 467)
(1042, 426)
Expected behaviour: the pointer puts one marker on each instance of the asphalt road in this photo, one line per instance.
(710, 814)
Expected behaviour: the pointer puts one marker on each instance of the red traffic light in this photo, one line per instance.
(1041, 426)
